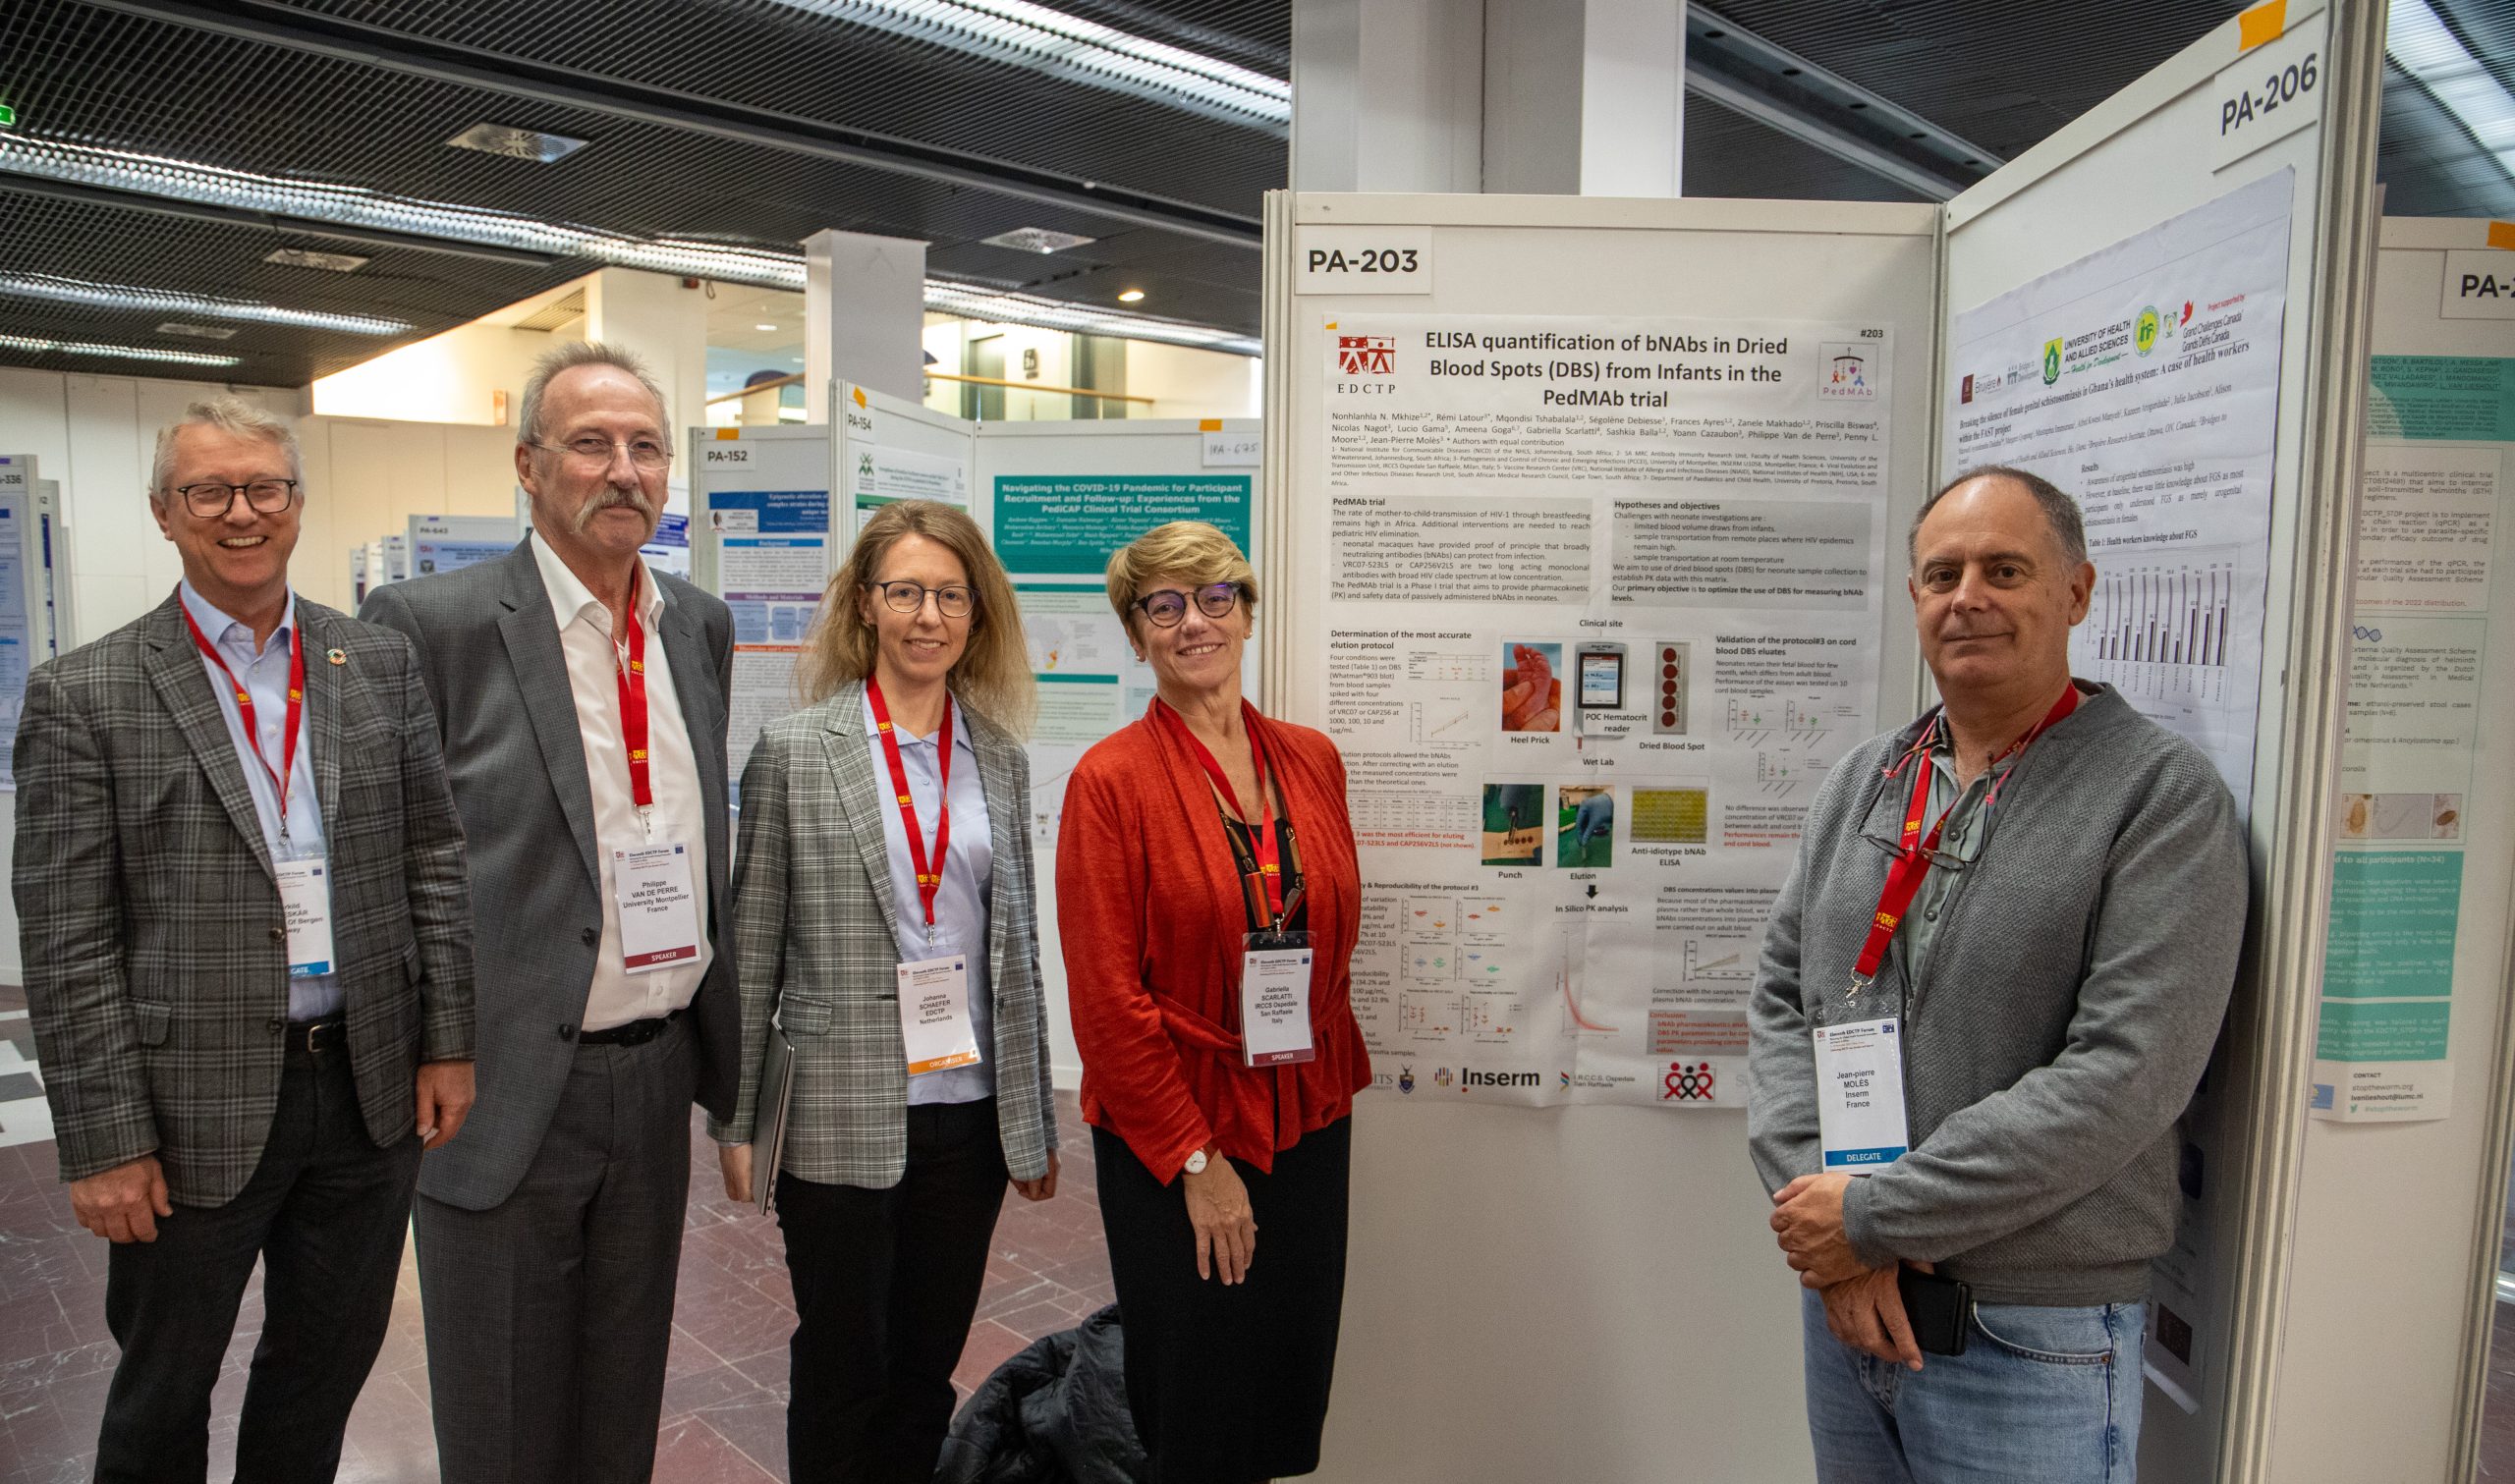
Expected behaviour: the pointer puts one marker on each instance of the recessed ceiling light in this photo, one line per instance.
(763, 327)
(517, 143)
(2429, 50)
(71, 291)
(198, 332)
(124, 352)
(1036, 239)
(299, 257)
(1131, 297)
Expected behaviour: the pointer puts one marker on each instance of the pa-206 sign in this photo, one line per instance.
(1362, 260)
(2269, 94)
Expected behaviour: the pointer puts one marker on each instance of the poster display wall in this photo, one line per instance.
(761, 504)
(1603, 597)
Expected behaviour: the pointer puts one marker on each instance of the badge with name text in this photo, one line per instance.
(1860, 1094)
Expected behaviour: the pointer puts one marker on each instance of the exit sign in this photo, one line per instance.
(8, 116)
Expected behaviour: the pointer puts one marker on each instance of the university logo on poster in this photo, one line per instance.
(2051, 361)
(1366, 354)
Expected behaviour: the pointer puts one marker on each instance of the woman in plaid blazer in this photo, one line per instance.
(884, 915)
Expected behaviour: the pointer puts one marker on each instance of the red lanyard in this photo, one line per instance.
(1261, 839)
(930, 875)
(296, 710)
(1904, 878)
(633, 703)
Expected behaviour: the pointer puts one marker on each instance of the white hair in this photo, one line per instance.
(231, 414)
(567, 356)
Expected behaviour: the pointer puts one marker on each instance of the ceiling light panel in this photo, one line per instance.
(68, 290)
(1037, 239)
(1077, 50)
(330, 262)
(2429, 50)
(517, 143)
(197, 332)
(38, 346)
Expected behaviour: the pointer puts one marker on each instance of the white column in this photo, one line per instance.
(864, 316)
(665, 324)
(1506, 97)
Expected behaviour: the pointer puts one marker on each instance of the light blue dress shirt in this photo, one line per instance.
(961, 906)
(264, 675)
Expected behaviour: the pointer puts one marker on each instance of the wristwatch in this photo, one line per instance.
(1196, 1163)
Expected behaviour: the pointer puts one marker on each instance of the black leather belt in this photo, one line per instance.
(309, 1040)
(635, 1033)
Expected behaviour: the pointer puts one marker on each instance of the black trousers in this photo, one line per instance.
(325, 1212)
(886, 1284)
(1230, 1385)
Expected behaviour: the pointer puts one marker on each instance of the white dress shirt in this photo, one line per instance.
(679, 812)
(961, 904)
(264, 674)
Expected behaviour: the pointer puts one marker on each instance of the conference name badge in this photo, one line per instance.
(306, 910)
(1860, 1094)
(934, 1014)
(658, 908)
(1274, 1000)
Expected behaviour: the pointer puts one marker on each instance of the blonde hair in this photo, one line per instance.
(230, 415)
(992, 676)
(1192, 550)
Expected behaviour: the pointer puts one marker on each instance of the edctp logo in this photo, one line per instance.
(1366, 354)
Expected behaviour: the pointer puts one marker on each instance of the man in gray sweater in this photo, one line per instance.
(1988, 989)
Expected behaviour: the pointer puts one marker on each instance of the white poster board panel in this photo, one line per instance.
(1056, 500)
(2151, 156)
(2398, 1222)
(891, 449)
(1660, 1206)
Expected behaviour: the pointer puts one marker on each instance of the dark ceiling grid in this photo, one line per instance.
(774, 56)
(1727, 154)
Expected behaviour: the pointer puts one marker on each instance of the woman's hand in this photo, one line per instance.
(1042, 1188)
(735, 1160)
(1226, 1232)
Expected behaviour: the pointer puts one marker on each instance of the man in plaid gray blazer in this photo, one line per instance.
(583, 702)
(240, 882)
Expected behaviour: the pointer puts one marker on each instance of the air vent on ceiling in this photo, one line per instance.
(299, 257)
(1036, 239)
(567, 308)
(517, 143)
(197, 332)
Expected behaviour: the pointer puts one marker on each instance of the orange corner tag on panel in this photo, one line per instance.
(2262, 23)
(728, 434)
(860, 394)
(2502, 235)
(1210, 424)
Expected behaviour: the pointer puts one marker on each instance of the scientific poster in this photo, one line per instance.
(450, 543)
(17, 654)
(1604, 605)
(772, 562)
(2143, 381)
(2420, 692)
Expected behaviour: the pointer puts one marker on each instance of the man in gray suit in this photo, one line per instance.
(239, 888)
(582, 700)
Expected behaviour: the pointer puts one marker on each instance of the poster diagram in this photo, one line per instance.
(1658, 550)
(2143, 381)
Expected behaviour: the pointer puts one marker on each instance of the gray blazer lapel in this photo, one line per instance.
(175, 670)
(1005, 817)
(323, 684)
(532, 634)
(859, 793)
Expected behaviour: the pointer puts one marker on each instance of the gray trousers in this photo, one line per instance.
(549, 1315)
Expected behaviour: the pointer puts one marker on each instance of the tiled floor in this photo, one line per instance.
(724, 1399)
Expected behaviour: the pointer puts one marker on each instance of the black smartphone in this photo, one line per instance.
(1938, 1308)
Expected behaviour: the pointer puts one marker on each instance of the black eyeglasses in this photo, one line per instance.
(1168, 606)
(213, 500)
(645, 453)
(952, 600)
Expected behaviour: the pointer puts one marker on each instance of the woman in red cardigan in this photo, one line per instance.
(1207, 896)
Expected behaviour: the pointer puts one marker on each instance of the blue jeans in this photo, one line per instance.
(2047, 1395)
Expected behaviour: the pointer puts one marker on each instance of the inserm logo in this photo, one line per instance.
(1469, 1076)
(1366, 354)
